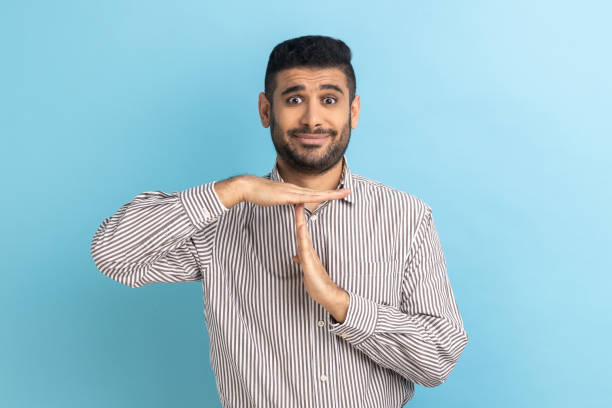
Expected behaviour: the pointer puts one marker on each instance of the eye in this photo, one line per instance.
(292, 97)
(328, 98)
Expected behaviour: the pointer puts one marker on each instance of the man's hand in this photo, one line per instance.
(261, 191)
(317, 282)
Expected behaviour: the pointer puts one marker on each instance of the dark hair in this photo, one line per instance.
(310, 51)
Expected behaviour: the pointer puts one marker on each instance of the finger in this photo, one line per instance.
(310, 190)
(299, 214)
(294, 188)
(305, 248)
(299, 220)
(307, 191)
(302, 237)
(295, 198)
(296, 259)
(299, 189)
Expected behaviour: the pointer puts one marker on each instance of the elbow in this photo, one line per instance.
(430, 378)
(129, 280)
(128, 275)
(117, 276)
(124, 280)
(447, 360)
(437, 378)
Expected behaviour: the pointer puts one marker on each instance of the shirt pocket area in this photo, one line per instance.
(379, 281)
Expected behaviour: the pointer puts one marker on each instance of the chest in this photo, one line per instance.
(361, 252)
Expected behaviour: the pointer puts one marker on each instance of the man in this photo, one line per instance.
(321, 288)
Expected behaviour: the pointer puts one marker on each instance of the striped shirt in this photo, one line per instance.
(271, 345)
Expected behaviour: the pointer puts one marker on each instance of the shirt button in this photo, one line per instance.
(323, 377)
(313, 217)
(321, 323)
(344, 335)
(206, 213)
(213, 219)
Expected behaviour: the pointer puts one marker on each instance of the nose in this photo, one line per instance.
(311, 117)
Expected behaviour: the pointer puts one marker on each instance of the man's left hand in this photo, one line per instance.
(320, 287)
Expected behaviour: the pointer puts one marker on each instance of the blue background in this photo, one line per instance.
(497, 114)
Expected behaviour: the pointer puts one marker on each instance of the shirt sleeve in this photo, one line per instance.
(150, 238)
(423, 338)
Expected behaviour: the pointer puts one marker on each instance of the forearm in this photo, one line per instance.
(337, 305)
(148, 238)
(422, 348)
(140, 229)
(230, 191)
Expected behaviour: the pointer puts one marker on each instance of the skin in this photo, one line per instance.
(312, 110)
(311, 173)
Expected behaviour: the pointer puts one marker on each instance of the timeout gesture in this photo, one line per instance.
(261, 191)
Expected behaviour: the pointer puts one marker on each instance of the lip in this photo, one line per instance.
(310, 138)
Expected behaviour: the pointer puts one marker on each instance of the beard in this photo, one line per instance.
(310, 159)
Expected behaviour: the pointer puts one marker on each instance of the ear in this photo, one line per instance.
(355, 110)
(264, 110)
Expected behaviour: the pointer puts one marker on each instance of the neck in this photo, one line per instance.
(324, 181)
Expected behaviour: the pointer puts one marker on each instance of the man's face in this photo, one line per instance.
(310, 118)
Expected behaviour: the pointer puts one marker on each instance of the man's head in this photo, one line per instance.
(310, 91)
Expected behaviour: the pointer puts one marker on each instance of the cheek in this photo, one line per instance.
(287, 121)
(340, 127)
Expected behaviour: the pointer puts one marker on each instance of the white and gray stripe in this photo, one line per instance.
(271, 345)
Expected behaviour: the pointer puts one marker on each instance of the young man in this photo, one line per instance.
(321, 287)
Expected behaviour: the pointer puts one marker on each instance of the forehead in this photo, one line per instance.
(310, 77)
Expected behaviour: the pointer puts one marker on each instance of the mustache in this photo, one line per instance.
(331, 132)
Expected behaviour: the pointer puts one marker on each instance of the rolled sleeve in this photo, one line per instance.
(360, 320)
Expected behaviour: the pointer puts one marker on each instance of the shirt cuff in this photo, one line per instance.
(360, 320)
(202, 204)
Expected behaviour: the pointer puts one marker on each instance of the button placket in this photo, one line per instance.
(322, 355)
(324, 382)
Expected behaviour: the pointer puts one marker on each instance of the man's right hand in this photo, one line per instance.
(262, 191)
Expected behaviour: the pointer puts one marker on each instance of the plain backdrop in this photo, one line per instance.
(496, 114)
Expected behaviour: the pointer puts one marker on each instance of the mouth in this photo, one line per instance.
(310, 138)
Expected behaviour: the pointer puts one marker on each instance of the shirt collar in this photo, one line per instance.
(346, 179)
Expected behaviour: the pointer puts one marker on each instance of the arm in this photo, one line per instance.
(423, 338)
(149, 239)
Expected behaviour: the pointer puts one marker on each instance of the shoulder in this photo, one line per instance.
(408, 213)
(371, 190)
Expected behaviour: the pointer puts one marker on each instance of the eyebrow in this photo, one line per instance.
(301, 88)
